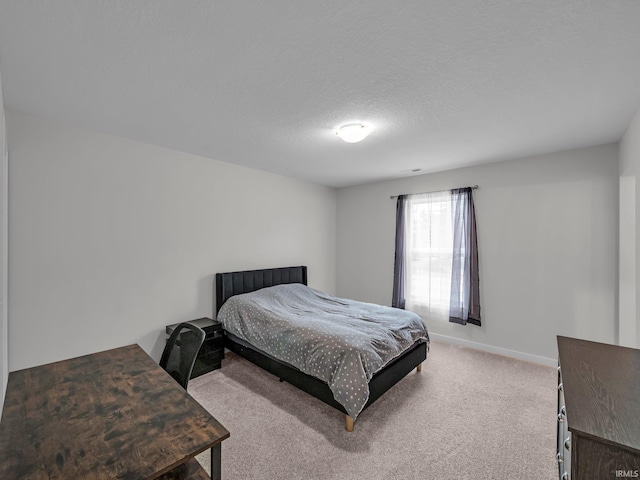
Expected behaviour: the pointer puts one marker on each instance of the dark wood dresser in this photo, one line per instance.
(598, 410)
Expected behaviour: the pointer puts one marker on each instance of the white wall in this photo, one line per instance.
(629, 167)
(547, 239)
(4, 337)
(113, 239)
(627, 331)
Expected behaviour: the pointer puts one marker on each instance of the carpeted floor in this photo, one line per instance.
(468, 415)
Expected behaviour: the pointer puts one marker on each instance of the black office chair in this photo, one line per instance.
(180, 352)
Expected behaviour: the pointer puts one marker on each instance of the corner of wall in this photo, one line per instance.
(629, 165)
(4, 342)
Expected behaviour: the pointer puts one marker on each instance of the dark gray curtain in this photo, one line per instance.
(464, 306)
(398, 299)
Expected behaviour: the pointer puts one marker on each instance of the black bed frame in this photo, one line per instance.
(235, 283)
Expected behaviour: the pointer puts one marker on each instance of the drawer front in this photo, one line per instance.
(214, 331)
(207, 362)
(214, 356)
(595, 460)
(215, 345)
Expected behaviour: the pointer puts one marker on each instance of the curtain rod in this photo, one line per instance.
(475, 187)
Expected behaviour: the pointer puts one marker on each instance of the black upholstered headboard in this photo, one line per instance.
(234, 283)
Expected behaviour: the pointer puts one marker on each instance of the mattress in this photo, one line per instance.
(339, 341)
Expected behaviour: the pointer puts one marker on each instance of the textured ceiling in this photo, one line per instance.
(263, 84)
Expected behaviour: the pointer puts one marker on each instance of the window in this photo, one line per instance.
(428, 254)
(436, 272)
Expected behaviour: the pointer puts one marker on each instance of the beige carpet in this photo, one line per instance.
(468, 415)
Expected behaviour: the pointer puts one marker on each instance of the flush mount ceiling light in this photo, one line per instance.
(354, 132)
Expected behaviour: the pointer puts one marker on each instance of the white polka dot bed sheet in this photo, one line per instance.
(339, 341)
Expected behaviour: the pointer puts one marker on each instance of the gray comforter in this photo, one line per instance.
(342, 342)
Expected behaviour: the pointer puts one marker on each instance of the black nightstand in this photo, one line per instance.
(212, 350)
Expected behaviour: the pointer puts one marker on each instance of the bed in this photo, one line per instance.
(232, 284)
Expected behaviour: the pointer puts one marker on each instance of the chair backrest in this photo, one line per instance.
(180, 352)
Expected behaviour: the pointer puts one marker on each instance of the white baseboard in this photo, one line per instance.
(550, 362)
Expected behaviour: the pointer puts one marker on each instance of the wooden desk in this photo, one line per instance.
(110, 415)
